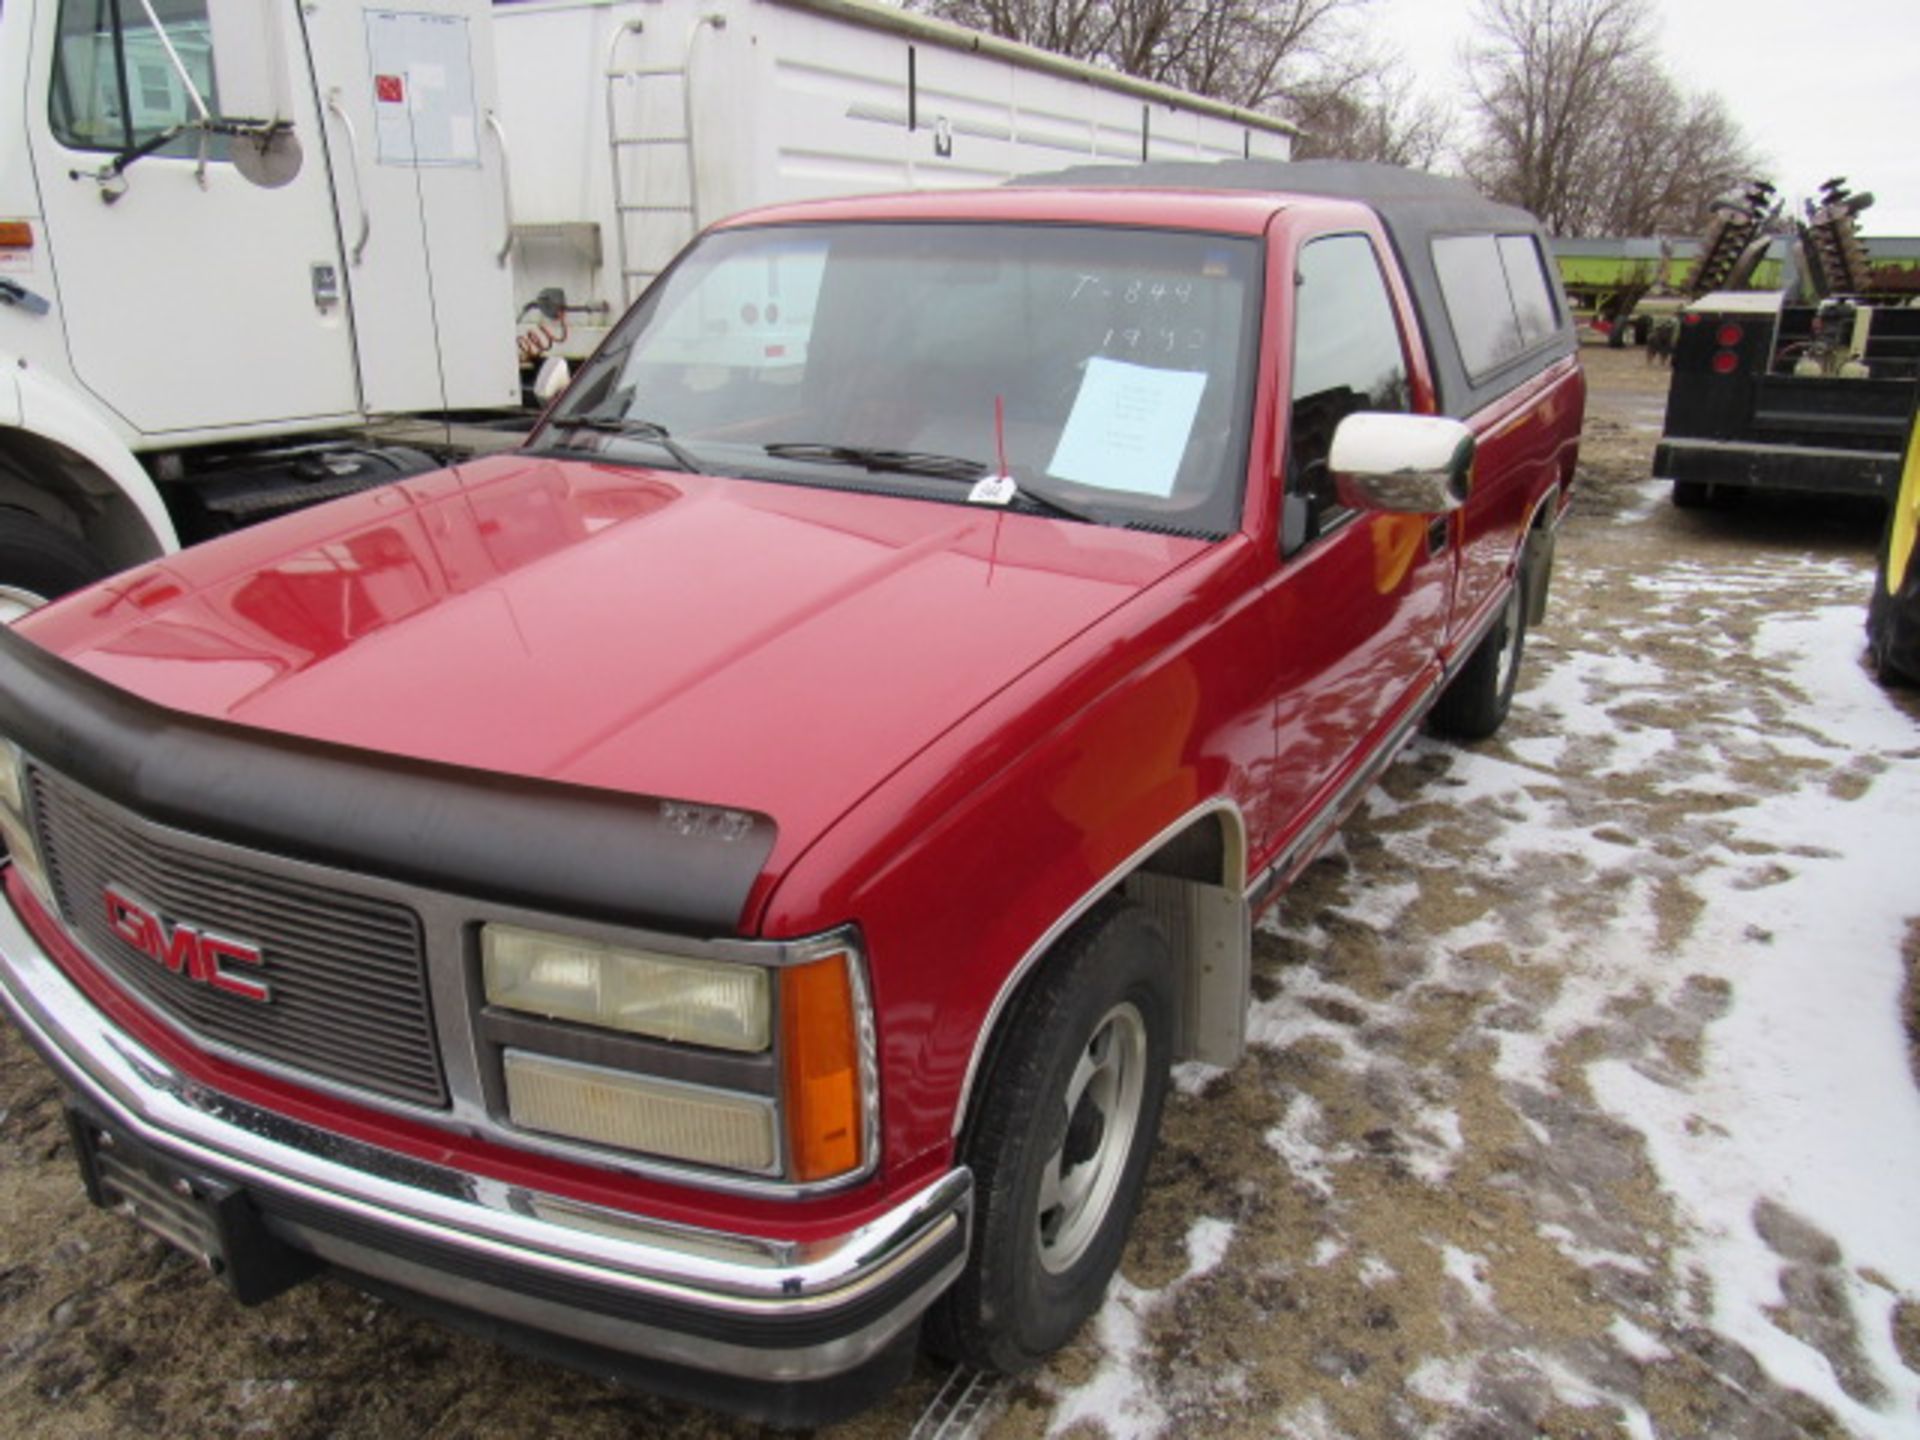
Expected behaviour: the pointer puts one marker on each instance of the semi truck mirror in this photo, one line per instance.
(250, 69)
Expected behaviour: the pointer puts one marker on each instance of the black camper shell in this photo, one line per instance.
(1417, 209)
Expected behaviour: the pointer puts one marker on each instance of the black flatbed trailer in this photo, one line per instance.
(1770, 396)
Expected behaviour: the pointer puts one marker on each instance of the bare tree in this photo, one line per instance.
(1543, 77)
(1579, 124)
(1666, 158)
(1369, 109)
(1246, 52)
(1081, 28)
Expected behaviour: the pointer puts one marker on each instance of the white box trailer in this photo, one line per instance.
(701, 108)
(236, 233)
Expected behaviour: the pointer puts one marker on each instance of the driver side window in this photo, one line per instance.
(114, 86)
(1347, 357)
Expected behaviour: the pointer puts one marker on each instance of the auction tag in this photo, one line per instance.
(993, 490)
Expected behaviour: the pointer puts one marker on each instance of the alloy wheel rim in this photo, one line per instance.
(1103, 1099)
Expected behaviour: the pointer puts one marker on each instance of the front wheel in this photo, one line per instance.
(39, 562)
(1060, 1144)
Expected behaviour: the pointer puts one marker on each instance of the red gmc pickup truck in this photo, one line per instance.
(714, 895)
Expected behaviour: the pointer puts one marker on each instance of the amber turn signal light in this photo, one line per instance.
(15, 235)
(820, 1058)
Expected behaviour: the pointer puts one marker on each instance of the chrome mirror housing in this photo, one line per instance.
(1409, 464)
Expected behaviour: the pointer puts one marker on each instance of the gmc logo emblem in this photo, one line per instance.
(184, 949)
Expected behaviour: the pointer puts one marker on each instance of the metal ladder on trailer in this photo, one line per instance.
(634, 79)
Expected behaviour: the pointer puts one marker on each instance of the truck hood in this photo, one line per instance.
(734, 643)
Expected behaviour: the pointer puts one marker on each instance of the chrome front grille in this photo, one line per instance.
(347, 972)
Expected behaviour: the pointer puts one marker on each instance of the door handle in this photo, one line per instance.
(339, 112)
(506, 186)
(1437, 535)
(13, 293)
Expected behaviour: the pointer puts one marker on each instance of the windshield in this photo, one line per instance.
(1106, 369)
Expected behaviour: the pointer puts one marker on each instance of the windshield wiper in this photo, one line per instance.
(903, 462)
(919, 462)
(1039, 502)
(626, 425)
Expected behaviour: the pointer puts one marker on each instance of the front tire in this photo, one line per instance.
(39, 562)
(1060, 1144)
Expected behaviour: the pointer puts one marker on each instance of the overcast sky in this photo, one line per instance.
(1820, 87)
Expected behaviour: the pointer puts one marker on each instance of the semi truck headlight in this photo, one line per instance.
(696, 1002)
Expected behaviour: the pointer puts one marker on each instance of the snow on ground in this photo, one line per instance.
(1806, 1099)
(1703, 840)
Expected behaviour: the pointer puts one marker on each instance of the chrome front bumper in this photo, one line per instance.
(709, 1301)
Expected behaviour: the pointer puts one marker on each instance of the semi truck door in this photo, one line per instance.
(191, 299)
(421, 172)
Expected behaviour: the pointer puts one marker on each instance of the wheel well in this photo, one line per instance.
(1536, 559)
(61, 487)
(1194, 883)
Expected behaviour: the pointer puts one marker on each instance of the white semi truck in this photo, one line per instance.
(241, 239)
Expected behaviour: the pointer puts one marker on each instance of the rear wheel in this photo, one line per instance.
(39, 562)
(1692, 494)
(1477, 699)
(1060, 1146)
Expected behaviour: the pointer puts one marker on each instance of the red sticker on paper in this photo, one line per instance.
(389, 89)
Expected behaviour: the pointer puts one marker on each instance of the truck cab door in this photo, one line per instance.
(190, 299)
(421, 171)
(1359, 601)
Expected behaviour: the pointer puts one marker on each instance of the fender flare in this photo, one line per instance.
(53, 411)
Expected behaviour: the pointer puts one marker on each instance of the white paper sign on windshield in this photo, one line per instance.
(1129, 427)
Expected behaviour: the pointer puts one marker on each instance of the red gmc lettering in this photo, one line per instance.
(214, 950)
(184, 949)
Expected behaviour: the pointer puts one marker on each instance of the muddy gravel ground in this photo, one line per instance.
(1427, 1203)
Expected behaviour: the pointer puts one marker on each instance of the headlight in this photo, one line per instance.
(16, 836)
(802, 1104)
(698, 1002)
(638, 1112)
(13, 782)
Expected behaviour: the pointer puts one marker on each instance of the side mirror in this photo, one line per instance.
(1409, 464)
(250, 58)
(247, 67)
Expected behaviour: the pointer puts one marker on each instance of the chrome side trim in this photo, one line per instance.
(1234, 880)
(1457, 658)
(1330, 814)
(1336, 807)
(553, 1237)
